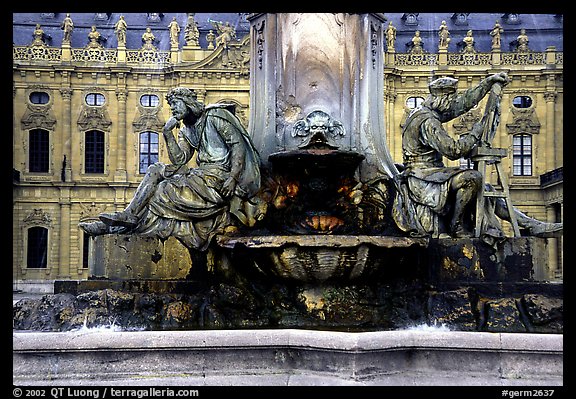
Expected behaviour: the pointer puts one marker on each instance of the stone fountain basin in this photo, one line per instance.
(318, 258)
(333, 160)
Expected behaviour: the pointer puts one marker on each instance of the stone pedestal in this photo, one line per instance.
(132, 257)
(345, 283)
(192, 53)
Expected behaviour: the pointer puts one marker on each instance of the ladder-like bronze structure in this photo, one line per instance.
(483, 157)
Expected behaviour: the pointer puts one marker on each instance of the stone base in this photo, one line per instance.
(118, 256)
(464, 285)
(288, 357)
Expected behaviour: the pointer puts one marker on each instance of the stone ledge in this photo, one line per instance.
(220, 357)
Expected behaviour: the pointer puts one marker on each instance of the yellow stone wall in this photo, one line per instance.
(67, 76)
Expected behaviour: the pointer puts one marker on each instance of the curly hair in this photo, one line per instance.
(189, 97)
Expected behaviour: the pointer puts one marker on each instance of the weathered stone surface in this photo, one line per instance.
(119, 256)
(471, 260)
(502, 315)
(453, 309)
(544, 313)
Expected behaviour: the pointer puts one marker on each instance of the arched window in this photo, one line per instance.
(148, 150)
(522, 155)
(38, 151)
(94, 152)
(37, 251)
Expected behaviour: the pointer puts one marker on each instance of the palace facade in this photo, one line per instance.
(89, 106)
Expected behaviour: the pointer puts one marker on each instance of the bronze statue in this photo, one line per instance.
(432, 199)
(193, 204)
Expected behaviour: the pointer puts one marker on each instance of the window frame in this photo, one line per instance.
(33, 153)
(39, 92)
(149, 96)
(96, 96)
(518, 159)
(27, 247)
(93, 152)
(416, 102)
(522, 97)
(148, 153)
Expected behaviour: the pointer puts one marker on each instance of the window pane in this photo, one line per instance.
(85, 250)
(37, 247)
(38, 151)
(522, 155)
(414, 102)
(94, 99)
(149, 100)
(522, 102)
(94, 148)
(148, 150)
(38, 97)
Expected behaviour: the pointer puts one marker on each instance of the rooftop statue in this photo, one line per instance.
(390, 36)
(193, 204)
(120, 29)
(148, 40)
(432, 199)
(174, 31)
(191, 32)
(226, 33)
(416, 44)
(94, 37)
(67, 26)
(495, 33)
(444, 35)
(468, 42)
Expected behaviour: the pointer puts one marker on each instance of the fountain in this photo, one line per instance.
(326, 255)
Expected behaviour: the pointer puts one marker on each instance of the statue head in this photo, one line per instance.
(442, 93)
(445, 85)
(187, 97)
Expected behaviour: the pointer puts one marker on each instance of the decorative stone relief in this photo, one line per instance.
(37, 217)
